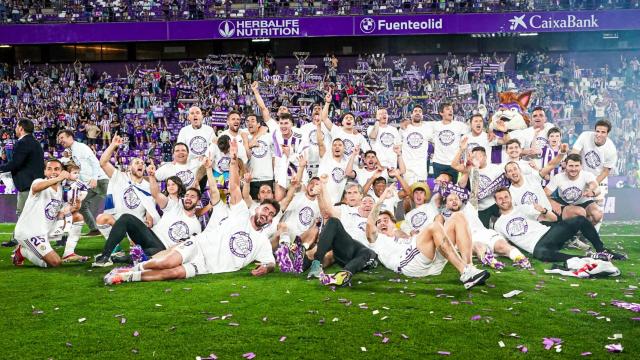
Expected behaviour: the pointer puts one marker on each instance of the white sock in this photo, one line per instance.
(105, 230)
(59, 225)
(68, 222)
(514, 253)
(31, 256)
(138, 267)
(132, 276)
(72, 240)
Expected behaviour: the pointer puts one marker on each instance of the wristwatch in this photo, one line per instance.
(545, 211)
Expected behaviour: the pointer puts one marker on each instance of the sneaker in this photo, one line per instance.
(62, 242)
(102, 261)
(92, 233)
(341, 278)
(490, 260)
(125, 259)
(16, 257)
(114, 278)
(472, 276)
(576, 243)
(607, 255)
(298, 256)
(283, 258)
(522, 262)
(10, 243)
(315, 271)
(73, 257)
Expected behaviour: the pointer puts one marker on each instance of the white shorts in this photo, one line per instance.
(415, 264)
(192, 258)
(37, 245)
(604, 190)
(487, 237)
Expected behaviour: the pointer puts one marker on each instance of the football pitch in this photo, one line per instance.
(67, 313)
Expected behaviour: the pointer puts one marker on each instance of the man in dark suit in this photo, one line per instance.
(27, 165)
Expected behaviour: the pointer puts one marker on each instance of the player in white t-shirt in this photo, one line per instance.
(533, 138)
(599, 156)
(446, 137)
(182, 166)
(347, 133)
(384, 138)
(309, 143)
(259, 149)
(39, 217)
(333, 163)
(525, 190)
(522, 226)
(478, 136)
(415, 146)
(573, 192)
(345, 223)
(127, 193)
(230, 242)
(197, 136)
(235, 133)
(425, 254)
(424, 211)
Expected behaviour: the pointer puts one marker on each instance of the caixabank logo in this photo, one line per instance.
(259, 28)
(568, 21)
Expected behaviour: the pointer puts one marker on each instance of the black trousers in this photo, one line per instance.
(348, 253)
(139, 233)
(486, 215)
(549, 246)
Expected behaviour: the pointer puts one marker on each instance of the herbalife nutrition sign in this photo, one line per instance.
(558, 21)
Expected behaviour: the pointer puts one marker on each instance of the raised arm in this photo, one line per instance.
(214, 193)
(325, 205)
(349, 172)
(372, 231)
(264, 111)
(457, 163)
(322, 149)
(158, 196)
(401, 165)
(235, 195)
(105, 159)
(324, 115)
(246, 189)
(43, 185)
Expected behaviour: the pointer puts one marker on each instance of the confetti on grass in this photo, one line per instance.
(249, 356)
(283, 338)
(551, 342)
(136, 334)
(444, 353)
(615, 348)
(625, 305)
(81, 320)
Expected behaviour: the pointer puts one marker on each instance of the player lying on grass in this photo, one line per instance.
(230, 241)
(522, 226)
(39, 217)
(424, 254)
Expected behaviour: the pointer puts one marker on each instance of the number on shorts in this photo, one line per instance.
(37, 240)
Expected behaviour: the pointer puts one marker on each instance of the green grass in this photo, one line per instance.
(293, 307)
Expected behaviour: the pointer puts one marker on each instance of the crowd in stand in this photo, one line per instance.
(42, 11)
(149, 106)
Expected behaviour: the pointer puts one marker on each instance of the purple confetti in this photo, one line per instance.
(593, 313)
(283, 338)
(445, 353)
(586, 353)
(212, 356)
(476, 317)
(136, 334)
(635, 307)
(616, 348)
(123, 321)
(635, 318)
(550, 342)
(575, 310)
(377, 334)
(522, 348)
(385, 340)
(249, 355)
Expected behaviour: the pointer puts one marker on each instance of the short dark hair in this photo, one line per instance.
(513, 141)
(538, 108)
(604, 123)
(554, 130)
(66, 132)
(574, 157)
(224, 143)
(417, 106)
(232, 112)
(379, 179)
(345, 115)
(272, 202)
(53, 160)
(370, 152)
(501, 189)
(250, 115)
(180, 144)
(479, 148)
(286, 116)
(26, 125)
(196, 190)
(337, 139)
(444, 105)
(71, 166)
(476, 115)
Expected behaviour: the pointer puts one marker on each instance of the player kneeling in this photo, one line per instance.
(40, 216)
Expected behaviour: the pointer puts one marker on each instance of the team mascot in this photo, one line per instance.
(511, 113)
